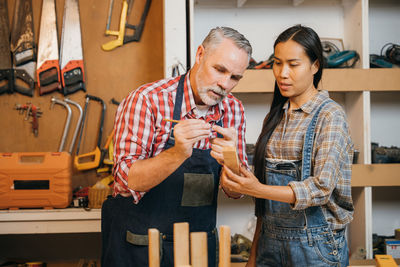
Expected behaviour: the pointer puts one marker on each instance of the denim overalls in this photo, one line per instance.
(188, 195)
(298, 237)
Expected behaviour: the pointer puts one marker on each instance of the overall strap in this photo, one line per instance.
(309, 142)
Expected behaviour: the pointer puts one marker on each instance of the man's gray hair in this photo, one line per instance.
(217, 35)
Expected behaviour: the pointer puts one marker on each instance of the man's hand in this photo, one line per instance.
(217, 144)
(187, 133)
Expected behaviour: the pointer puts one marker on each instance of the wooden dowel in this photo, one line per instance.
(181, 244)
(154, 247)
(198, 249)
(224, 246)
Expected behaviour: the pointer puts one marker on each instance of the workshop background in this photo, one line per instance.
(170, 38)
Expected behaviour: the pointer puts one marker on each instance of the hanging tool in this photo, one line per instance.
(107, 153)
(78, 123)
(31, 111)
(71, 55)
(122, 38)
(106, 163)
(6, 73)
(23, 48)
(48, 67)
(55, 100)
(90, 160)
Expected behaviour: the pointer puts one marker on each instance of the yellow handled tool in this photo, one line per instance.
(90, 160)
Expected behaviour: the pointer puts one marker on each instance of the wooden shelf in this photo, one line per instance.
(334, 80)
(50, 221)
(375, 175)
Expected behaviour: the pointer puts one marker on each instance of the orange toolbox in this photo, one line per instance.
(35, 180)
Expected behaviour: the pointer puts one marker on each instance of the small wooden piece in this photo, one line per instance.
(154, 247)
(198, 249)
(231, 159)
(181, 244)
(224, 246)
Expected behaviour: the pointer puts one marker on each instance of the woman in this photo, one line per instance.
(302, 164)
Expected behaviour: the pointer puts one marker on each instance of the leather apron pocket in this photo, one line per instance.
(198, 190)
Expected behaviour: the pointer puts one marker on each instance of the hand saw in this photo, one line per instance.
(48, 67)
(23, 48)
(6, 73)
(71, 56)
(122, 38)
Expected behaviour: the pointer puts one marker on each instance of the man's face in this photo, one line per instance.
(219, 70)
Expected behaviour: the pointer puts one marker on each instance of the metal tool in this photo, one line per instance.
(6, 73)
(122, 38)
(90, 160)
(23, 48)
(48, 67)
(78, 123)
(71, 55)
(33, 111)
(55, 100)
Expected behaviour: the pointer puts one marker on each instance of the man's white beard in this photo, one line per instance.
(211, 100)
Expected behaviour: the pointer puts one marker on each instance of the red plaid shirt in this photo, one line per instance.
(141, 132)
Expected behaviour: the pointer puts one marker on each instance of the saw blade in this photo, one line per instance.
(71, 55)
(23, 48)
(48, 67)
(6, 74)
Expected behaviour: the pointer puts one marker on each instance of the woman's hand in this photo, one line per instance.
(246, 183)
(217, 144)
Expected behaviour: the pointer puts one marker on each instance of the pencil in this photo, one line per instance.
(171, 120)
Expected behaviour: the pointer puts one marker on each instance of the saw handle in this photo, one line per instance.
(24, 76)
(8, 87)
(90, 160)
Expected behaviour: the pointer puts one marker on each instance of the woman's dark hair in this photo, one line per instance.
(311, 43)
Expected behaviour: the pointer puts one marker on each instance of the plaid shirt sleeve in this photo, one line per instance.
(331, 166)
(132, 140)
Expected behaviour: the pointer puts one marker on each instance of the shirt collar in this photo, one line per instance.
(313, 103)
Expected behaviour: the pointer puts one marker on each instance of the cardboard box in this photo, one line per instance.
(393, 247)
(385, 261)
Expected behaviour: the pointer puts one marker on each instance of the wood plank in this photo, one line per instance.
(375, 175)
(198, 249)
(224, 246)
(154, 247)
(181, 244)
(334, 80)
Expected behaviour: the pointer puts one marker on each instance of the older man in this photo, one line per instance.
(167, 172)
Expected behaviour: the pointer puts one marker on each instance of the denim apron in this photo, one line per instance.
(187, 195)
(298, 237)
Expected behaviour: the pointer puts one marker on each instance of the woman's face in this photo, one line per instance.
(293, 70)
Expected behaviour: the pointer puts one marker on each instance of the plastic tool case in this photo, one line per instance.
(35, 180)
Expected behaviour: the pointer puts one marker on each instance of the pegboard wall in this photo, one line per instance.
(108, 75)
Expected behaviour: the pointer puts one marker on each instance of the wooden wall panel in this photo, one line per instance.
(109, 75)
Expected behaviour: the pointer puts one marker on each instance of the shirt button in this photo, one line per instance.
(164, 237)
(335, 252)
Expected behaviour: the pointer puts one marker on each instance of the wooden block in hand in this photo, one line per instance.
(181, 244)
(154, 247)
(231, 159)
